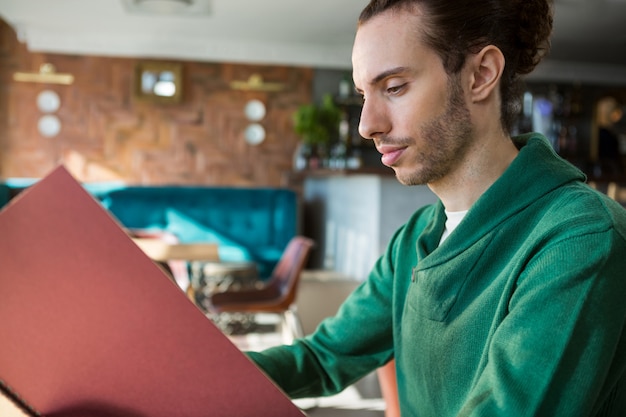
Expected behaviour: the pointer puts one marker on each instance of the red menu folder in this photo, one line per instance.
(91, 327)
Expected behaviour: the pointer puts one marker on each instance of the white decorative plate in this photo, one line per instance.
(255, 134)
(255, 110)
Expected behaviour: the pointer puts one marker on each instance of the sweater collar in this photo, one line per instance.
(536, 171)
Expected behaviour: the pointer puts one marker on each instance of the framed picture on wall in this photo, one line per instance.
(158, 82)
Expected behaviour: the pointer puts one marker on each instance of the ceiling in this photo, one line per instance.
(293, 32)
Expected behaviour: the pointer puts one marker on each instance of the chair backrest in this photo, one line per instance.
(286, 274)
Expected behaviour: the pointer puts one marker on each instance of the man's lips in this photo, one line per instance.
(391, 153)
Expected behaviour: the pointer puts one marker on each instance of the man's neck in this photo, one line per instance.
(484, 164)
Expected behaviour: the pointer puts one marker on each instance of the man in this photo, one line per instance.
(608, 114)
(508, 297)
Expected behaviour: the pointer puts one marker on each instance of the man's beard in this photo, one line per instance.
(447, 138)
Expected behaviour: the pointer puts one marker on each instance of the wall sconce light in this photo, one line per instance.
(48, 102)
(256, 83)
(47, 74)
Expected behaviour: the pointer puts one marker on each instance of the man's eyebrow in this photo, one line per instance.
(382, 76)
(387, 73)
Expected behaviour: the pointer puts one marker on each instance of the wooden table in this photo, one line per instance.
(162, 251)
(207, 273)
(182, 259)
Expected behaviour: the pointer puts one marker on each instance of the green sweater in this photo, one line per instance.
(520, 312)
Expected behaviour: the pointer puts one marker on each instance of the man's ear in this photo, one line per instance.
(487, 66)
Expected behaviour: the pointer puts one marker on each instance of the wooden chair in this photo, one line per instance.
(277, 295)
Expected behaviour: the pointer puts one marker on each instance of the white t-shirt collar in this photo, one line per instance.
(454, 218)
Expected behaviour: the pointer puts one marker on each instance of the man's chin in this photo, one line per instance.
(408, 178)
(405, 179)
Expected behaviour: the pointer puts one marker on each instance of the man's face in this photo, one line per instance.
(413, 111)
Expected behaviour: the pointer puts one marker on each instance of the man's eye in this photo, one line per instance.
(395, 89)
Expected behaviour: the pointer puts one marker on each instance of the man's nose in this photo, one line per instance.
(374, 121)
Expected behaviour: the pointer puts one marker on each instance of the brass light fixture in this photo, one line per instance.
(256, 83)
(183, 2)
(169, 7)
(47, 74)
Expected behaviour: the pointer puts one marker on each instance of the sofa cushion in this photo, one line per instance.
(4, 195)
(189, 231)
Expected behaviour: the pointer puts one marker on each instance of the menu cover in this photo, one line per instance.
(91, 327)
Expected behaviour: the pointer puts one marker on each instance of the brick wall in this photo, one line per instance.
(106, 134)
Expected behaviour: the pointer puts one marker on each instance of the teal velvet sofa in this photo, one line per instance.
(4, 194)
(248, 224)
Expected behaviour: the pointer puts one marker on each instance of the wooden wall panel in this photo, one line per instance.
(107, 134)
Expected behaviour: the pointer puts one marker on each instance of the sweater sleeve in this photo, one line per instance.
(561, 350)
(343, 348)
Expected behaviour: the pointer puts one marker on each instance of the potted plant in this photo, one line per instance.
(317, 125)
